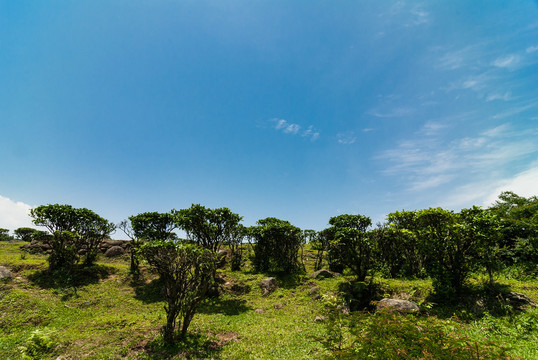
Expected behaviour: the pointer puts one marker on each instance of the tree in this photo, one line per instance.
(74, 232)
(206, 227)
(351, 244)
(518, 218)
(147, 226)
(276, 245)
(480, 237)
(186, 271)
(320, 243)
(452, 243)
(235, 243)
(24, 233)
(4, 235)
(399, 246)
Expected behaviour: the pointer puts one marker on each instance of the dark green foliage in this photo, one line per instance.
(351, 244)
(147, 226)
(4, 235)
(235, 243)
(24, 233)
(389, 336)
(186, 272)
(448, 246)
(399, 247)
(208, 228)
(519, 227)
(75, 232)
(276, 245)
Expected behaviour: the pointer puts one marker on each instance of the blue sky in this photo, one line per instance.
(299, 110)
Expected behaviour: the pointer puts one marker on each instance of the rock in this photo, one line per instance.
(403, 306)
(5, 273)
(278, 306)
(114, 251)
(320, 318)
(259, 311)
(519, 299)
(268, 286)
(314, 292)
(323, 274)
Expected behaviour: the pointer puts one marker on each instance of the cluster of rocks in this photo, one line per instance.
(111, 248)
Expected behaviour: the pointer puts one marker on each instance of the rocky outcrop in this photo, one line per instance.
(115, 251)
(402, 306)
(323, 274)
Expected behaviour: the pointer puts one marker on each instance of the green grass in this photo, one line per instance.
(101, 313)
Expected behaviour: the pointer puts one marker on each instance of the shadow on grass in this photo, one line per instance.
(77, 276)
(475, 301)
(226, 307)
(149, 292)
(194, 346)
(285, 280)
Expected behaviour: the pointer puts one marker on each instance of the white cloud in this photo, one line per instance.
(14, 214)
(295, 129)
(506, 97)
(429, 162)
(508, 61)
(515, 110)
(396, 112)
(311, 133)
(531, 49)
(486, 192)
(524, 184)
(292, 129)
(346, 138)
(432, 128)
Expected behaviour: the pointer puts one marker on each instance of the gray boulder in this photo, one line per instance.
(114, 251)
(518, 299)
(5, 273)
(402, 306)
(323, 274)
(268, 286)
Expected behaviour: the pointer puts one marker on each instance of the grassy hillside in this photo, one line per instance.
(101, 313)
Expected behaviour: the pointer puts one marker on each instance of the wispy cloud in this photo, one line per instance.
(432, 128)
(508, 61)
(531, 49)
(311, 133)
(427, 162)
(14, 214)
(295, 129)
(346, 138)
(391, 113)
(506, 96)
(407, 14)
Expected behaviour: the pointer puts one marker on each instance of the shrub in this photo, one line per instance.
(277, 245)
(4, 235)
(186, 272)
(147, 226)
(24, 233)
(208, 228)
(74, 232)
(351, 244)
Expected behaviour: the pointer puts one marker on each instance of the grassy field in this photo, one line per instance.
(102, 313)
